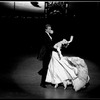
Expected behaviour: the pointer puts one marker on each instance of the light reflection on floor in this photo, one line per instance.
(27, 78)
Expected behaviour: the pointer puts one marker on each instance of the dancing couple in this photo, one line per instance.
(59, 69)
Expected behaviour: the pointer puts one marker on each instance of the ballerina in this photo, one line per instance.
(67, 70)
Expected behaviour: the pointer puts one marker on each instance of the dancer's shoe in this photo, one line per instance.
(56, 85)
(65, 84)
(42, 85)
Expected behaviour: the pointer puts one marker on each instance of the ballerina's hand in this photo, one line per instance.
(71, 39)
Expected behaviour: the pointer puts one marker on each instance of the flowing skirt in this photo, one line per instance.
(67, 68)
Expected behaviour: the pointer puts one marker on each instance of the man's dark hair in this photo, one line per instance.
(47, 25)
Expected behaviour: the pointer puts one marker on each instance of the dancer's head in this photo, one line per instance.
(65, 43)
(48, 29)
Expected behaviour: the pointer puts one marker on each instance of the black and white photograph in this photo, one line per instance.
(50, 49)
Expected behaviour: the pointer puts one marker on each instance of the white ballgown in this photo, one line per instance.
(67, 68)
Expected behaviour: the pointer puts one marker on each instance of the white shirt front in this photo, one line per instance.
(49, 35)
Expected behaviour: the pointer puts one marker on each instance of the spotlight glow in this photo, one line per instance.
(25, 6)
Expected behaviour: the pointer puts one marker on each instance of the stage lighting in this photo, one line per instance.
(56, 8)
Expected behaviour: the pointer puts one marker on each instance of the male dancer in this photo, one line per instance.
(46, 53)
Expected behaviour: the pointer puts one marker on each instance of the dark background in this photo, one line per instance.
(22, 36)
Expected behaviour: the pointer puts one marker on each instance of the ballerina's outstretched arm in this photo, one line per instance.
(68, 42)
(71, 39)
(59, 45)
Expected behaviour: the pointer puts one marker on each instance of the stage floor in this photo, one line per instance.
(23, 82)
